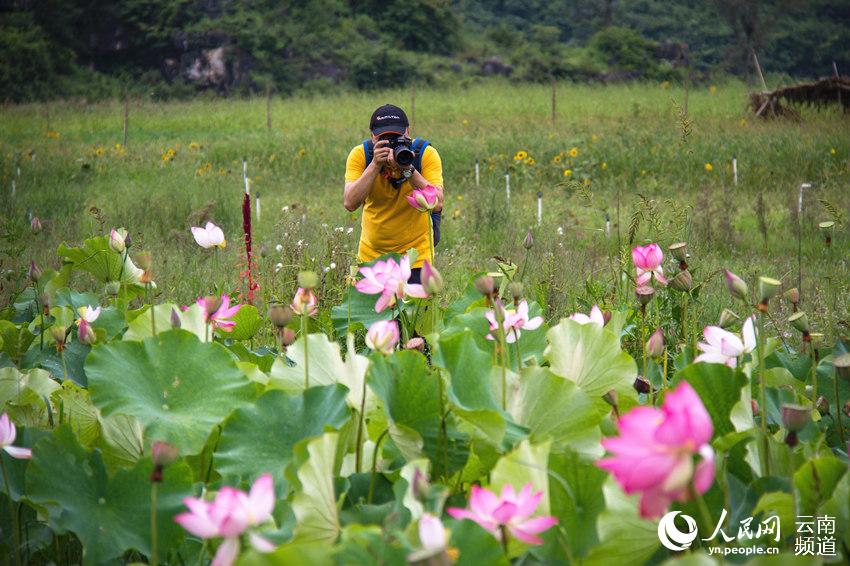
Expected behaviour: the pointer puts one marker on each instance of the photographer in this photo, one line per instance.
(379, 174)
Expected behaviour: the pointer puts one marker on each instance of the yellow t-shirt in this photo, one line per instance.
(389, 223)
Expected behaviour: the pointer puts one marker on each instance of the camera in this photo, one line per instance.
(401, 148)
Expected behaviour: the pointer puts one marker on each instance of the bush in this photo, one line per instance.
(624, 49)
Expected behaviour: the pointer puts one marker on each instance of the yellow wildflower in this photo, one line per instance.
(586, 182)
(568, 172)
(99, 152)
(603, 165)
(665, 84)
(302, 152)
(459, 197)
(53, 135)
(520, 155)
(556, 159)
(743, 122)
(594, 138)
(832, 151)
(642, 172)
(194, 145)
(712, 89)
(709, 167)
(465, 122)
(456, 213)
(530, 160)
(574, 152)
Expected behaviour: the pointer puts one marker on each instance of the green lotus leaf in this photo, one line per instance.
(314, 503)
(109, 515)
(815, 481)
(260, 437)
(359, 308)
(192, 319)
(178, 387)
(719, 388)
(15, 340)
(589, 355)
(97, 258)
(247, 320)
(25, 395)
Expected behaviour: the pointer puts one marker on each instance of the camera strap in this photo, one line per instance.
(418, 146)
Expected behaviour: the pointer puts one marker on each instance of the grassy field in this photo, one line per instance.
(631, 152)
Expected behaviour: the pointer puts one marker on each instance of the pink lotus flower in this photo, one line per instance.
(220, 318)
(647, 260)
(424, 199)
(305, 302)
(723, 347)
(85, 333)
(390, 280)
(510, 511)
(432, 533)
(382, 336)
(118, 240)
(89, 314)
(654, 453)
(595, 317)
(515, 321)
(230, 515)
(8, 432)
(209, 236)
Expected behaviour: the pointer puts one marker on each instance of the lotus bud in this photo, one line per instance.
(432, 280)
(768, 288)
(211, 304)
(642, 385)
(644, 294)
(499, 312)
(118, 240)
(162, 455)
(655, 344)
(792, 295)
(279, 314)
(287, 336)
(415, 343)
(679, 251)
(754, 405)
(841, 363)
(485, 285)
(528, 242)
(682, 281)
(175, 319)
(128, 241)
(822, 405)
(34, 272)
(144, 260)
(611, 399)
(112, 288)
(606, 317)
(800, 322)
(737, 288)
(85, 333)
(516, 289)
(420, 485)
(826, 230)
(727, 319)
(308, 279)
(35, 225)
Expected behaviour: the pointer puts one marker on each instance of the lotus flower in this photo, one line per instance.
(118, 240)
(432, 280)
(654, 453)
(723, 347)
(382, 336)
(8, 432)
(432, 533)
(305, 302)
(647, 260)
(85, 333)
(220, 318)
(515, 321)
(209, 236)
(424, 199)
(390, 280)
(595, 317)
(231, 514)
(88, 314)
(509, 511)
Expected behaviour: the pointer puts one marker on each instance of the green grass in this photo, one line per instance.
(650, 156)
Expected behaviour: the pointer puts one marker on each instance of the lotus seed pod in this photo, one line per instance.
(727, 319)
(822, 405)
(799, 321)
(768, 288)
(644, 294)
(515, 289)
(642, 385)
(279, 314)
(58, 333)
(163, 453)
(682, 281)
(679, 251)
(795, 417)
(112, 288)
(308, 279)
(792, 295)
(737, 287)
(826, 230)
(841, 363)
(485, 285)
(415, 343)
(611, 397)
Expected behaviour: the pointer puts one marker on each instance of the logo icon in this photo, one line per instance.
(670, 535)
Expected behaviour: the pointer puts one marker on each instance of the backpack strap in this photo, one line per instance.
(418, 146)
(368, 150)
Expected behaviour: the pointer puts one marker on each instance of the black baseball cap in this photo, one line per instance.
(388, 119)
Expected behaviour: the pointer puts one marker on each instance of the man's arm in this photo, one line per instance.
(356, 191)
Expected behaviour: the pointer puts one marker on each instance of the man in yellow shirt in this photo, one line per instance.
(390, 223)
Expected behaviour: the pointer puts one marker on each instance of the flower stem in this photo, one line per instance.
(504, 531)
(838, 408)
(518, 352)
(705, 515)
(154, 559)
(12, 513)
(358, 455)
(814, 376)
(762, 399)
(153, 314)
(375, 466)
(306, 354)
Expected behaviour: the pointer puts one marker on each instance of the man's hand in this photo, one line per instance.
(382, 153)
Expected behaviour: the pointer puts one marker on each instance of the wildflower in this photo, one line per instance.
(647, 260)
(35, 225)
(389, 279)
(88, 314)
(556, 159)
(232, 513)
(595, 317)
(509, 512)
(99, 152)
(568, 172)
(278, 266)
(8, 432)
(832, 151)
(529, 160)
(382, 336)
(603, 166)
(209, 236)
(194, 146)
(709, 167)
(654, 452)
(560, 230)
(219, 312)
(724, 347)
(305, 302)
(712, 89)
(514, 322)
(278, 248)
(118, 240)
(424, 199)
(53, 135)
(665, 85)
(574, 152)
(594, 138)
(520, 155)
(349, 230)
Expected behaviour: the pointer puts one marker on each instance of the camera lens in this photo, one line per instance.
(403, 156)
